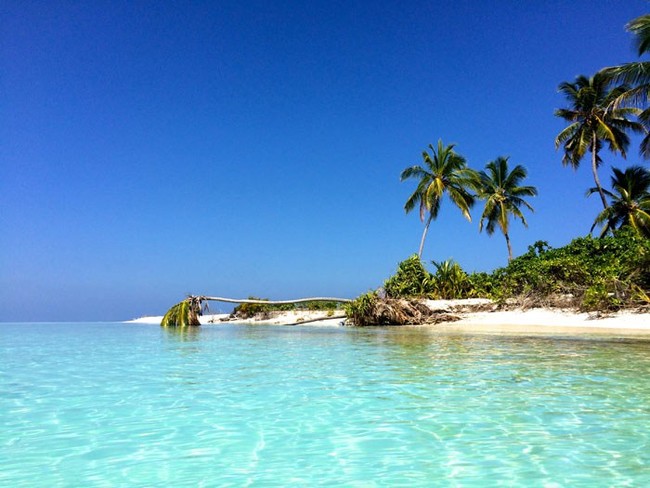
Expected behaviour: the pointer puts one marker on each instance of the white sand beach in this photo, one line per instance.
(285, 318)
(536, 320)
(551, 321)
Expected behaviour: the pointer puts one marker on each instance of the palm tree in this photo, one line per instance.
(444, 171)
(593, 120)
(503, 197)
(630, 201)
(637, 75)
(187, 312)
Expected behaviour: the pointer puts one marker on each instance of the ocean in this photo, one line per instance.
(114, 404)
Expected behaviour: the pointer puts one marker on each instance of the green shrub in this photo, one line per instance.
(411, 280)
(600, 273)
(480, 285)
(249, 310)
(450, 281)
(360, 310)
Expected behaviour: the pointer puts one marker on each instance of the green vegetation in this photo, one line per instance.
(250, 310)
(411, 280)
(183, 314)
(594, 120)
(360, 310)
(637, 75)
(503, 197)
(629, 201)
(450, 281)
(444, 171)
(589, 274)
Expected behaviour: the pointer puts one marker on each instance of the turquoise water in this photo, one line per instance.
(137, 405)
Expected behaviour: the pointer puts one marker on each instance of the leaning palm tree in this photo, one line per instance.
(630, 201)
(503, 195)
(593, 121)
(187, 312)
(637, 75)
(444, 171)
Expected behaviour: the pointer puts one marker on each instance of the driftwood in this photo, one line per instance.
(320, 319)
(391, 311)
(399, 311)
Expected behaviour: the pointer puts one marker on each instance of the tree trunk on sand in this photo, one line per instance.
(424, 235)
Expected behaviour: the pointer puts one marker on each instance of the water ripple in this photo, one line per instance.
(110, 404)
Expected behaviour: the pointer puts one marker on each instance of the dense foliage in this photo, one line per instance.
(360, 310)
(411, 280)
(249, 310)
(629, 201)
(590, 273)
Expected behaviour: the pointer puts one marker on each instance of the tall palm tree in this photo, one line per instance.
(444, 171)
(637, 75)
(630, 201)
(593, 121)
(503, 195)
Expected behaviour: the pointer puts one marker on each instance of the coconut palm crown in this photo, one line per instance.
(594, 121)
(630, 201)
(636, 74)
(443, 171)
(503, 195)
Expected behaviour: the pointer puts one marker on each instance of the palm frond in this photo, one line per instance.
(414, 172)
(183, 314)
(640, 27)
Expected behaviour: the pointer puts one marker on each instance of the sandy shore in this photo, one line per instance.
(286, 318)
(551, 321)
(537, 321)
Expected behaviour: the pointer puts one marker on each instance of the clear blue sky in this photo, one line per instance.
(155, 149)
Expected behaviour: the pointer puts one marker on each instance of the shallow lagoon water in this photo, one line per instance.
(230, 405)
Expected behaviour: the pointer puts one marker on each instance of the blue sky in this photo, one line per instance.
(155, 149)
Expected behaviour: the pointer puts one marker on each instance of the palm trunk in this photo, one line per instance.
(594, 169)
(509, 246)
(274, 302)
(424, 235)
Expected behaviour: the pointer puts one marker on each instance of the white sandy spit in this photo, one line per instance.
(284, 318)
(538, 320)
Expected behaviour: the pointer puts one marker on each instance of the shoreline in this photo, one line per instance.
(516, 321)
(550, 321)
(289, 318)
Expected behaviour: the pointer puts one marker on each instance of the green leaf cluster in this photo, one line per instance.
(411, 280)
(450, 281)
(183, 314)
(250, 310)
(360, 310)
(593, 273)
(589, 273)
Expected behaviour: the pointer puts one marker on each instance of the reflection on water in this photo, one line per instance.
(182, 334)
